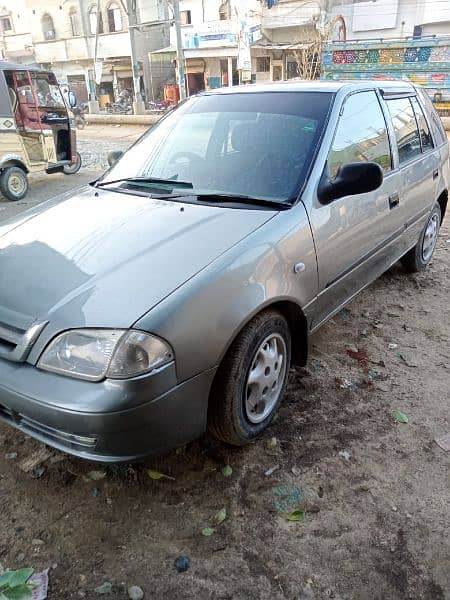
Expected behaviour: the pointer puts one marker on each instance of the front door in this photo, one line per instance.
(354, 235)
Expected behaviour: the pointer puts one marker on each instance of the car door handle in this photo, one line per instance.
(394, 201)
(435, 174)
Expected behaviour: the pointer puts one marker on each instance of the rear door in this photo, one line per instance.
(355, 235)
(418, 161)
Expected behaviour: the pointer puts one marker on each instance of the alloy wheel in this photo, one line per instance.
(265, 378)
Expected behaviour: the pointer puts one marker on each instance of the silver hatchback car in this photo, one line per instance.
(173, 294)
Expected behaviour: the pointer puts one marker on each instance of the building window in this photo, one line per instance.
(114, 18)
(263, 64)
(225, 11)
(93, 21)
(185, 17)
(74, 24)
(5, 24)
(47, 27)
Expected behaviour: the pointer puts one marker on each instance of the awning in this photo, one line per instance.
(195, 66)
(220, 52)
(270, 46)
(166, 50)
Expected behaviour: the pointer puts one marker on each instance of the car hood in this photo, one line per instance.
(103, 258)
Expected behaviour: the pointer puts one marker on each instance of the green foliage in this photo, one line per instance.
(14, 586)
(400, 417)
(156, 475)
(296, 515)
(227, 471)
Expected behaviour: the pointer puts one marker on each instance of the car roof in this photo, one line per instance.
(315, 86)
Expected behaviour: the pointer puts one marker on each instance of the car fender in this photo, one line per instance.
(13, 160)
(276, 263)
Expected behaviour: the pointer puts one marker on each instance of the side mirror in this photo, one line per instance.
(114, 156)
(351, 179)
(72, 99)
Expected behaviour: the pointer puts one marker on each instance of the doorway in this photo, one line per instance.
(195, 83)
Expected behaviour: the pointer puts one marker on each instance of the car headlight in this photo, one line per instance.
(94, 354)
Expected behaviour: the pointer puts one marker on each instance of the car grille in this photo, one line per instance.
(46, 433)
(17, 334)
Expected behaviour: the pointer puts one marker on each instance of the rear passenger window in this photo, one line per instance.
(405, 126)
(440, 136)
(361, 134)
(424, 130)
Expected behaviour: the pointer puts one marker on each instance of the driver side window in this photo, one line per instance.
(361, 134)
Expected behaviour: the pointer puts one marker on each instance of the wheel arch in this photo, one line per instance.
(12, 160)
(298, 326)
(442, 201)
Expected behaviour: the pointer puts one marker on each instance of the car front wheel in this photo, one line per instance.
(251, 380)
(418, 258)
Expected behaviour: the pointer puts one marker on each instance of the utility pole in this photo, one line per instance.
(93, 101)
(180, 52)
(138, 104)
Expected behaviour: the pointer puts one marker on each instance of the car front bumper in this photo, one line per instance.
(109, 421)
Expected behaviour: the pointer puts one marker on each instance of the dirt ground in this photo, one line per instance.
(375, 493)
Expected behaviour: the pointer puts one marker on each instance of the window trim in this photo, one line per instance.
(432, 117)
(341, 112)
(265, 58)
(47, 19)
(187, 16)
(8, 17)
(401, 165)
(111, 8)
(430, 131)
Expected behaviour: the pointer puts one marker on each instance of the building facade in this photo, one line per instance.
(231, 41)
(61, 35)
(393, 18)
(216, 37)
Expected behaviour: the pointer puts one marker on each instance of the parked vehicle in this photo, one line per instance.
(174, 293)
(35, 131)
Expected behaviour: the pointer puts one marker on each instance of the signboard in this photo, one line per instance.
(211, 34)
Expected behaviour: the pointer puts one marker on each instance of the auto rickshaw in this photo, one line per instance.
(35, 128)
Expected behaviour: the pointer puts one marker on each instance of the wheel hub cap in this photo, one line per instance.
(430, 238)
(16, 184)
(265, 378)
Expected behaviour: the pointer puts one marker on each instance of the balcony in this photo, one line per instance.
(80, 48)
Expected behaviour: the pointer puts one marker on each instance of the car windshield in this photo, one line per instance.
(250, 144)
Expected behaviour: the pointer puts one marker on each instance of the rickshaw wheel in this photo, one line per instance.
(14, 183)
(72, 169)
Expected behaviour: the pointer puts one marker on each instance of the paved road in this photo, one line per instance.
(94, 143)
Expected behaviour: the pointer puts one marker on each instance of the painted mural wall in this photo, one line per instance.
(422, 61)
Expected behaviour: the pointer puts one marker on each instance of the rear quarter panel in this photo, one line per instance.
(202, 317)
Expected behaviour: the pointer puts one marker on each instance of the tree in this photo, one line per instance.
(308, 54)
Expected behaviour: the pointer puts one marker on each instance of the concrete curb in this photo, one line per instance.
(107, 119)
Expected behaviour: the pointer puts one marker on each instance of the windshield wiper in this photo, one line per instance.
(241, 198)
(174, 182)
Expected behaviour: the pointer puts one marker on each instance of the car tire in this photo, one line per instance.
(14, 183)
(419, 257)
(74, 168)
(251, 380)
